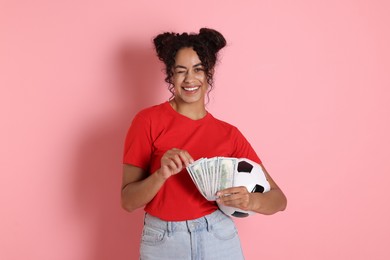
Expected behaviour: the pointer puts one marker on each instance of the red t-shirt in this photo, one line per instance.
(159, 128)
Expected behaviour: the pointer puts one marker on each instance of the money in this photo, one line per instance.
(226, 171)
(212, 174)
(196, 173)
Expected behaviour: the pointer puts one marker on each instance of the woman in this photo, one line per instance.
(162, 140)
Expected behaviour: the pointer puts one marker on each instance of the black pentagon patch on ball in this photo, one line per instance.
(258, 188)
(238, 214)
(244, 166)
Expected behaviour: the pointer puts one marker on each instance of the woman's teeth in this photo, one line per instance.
(191, 89)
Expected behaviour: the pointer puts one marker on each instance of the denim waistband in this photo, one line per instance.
(201, 223)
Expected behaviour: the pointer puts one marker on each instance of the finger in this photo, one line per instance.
(229, 191)
(178, 162)
(186, 157)
(230, 197)
(234, 195)
(172, 167)
(172, 155)
(167, 160)
(236, 201)
(227, 201)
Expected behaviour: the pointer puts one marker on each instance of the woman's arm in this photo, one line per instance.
(139, 188)
(264, 203)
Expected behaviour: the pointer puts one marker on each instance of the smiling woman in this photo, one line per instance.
(164, 139)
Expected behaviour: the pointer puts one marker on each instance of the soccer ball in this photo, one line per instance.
(250, 175)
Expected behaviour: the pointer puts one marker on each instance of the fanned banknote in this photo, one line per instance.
(212, 174)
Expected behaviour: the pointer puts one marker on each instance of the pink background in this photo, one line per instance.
(306, 81)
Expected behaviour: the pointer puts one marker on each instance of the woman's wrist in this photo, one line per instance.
(160, 175)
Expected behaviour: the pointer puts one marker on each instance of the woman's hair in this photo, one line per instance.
(206, 44)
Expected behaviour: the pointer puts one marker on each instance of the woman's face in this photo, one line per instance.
(189, 77)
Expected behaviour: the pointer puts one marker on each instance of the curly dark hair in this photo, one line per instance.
(206, 44)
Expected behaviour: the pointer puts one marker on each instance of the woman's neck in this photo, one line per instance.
(195, 111)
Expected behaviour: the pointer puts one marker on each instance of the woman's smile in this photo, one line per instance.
(191, 88)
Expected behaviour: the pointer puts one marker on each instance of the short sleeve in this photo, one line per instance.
(243, 149)
(138, 144)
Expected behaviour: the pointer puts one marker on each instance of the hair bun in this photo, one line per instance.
(213, 39)
(161, 42)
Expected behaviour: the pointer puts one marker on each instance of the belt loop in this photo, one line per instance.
(208, 223)
(169, 228)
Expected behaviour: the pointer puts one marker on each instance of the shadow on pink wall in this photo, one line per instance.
(115, 232)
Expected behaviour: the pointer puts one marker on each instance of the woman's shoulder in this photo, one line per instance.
(224, 125)
(152, 111)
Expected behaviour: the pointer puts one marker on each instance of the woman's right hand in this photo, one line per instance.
(173, 161)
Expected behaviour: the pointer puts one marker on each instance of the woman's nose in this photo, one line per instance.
(189, 76)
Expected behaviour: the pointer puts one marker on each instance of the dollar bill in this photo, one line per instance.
(226, 170)
(196, 172)
(213, 174)
(212, 170)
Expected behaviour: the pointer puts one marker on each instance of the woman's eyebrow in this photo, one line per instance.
(180, 67)
(184, 67)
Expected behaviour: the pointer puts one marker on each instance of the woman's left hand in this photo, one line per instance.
(237, 197)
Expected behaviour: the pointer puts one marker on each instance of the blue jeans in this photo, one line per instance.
(211, 237)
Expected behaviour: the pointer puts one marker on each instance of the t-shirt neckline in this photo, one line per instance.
(173, 112)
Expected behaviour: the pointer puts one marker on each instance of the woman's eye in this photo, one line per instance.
(199, 69)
